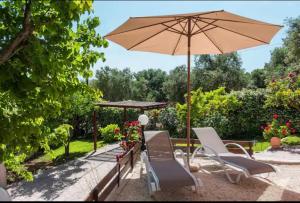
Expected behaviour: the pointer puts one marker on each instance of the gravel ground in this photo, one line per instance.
(284, 186)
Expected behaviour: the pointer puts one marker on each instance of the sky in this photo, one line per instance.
(114, 13)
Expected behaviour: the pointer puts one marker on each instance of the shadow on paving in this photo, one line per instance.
(109, 156)
(51, 182)
(216, 188)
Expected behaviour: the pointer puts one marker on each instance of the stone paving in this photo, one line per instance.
(70, 181)
(279, 156)
(74, 180)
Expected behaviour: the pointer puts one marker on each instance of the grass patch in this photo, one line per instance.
(78, 148)
(258, 147)
(261, 146)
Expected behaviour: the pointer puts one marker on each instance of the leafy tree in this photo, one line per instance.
(286, 58)
(214, 71)
(175, 86)
(292, 41)
(140, 90)
(115, 84)
(257, 78)
(153, 80)
(44, 47)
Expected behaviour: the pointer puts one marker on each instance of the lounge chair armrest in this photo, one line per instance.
(239, 146)
(214, 152)
(200, 148)
(149, 169)
(185, 164)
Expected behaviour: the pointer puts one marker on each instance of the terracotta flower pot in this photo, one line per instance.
(275, 142)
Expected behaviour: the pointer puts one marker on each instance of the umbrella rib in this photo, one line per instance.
(179, 39)
(210, 39)
(150, 37)
(214, 43)
(193, 25)
(173, 29)
(201, 30)
(239, 33)
(144, 27)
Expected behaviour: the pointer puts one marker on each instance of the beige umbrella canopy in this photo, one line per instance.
(214, 32)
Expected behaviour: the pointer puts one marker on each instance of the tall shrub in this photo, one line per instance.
(209, 109)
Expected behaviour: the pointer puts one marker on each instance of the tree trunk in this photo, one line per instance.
(18, 42)
(67, 150)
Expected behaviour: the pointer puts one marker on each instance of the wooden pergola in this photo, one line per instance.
(142, 105)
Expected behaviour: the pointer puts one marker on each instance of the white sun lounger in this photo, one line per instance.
(214, 148)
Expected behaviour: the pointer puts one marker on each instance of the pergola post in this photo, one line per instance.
(95, 130)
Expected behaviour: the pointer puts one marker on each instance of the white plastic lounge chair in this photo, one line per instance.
(163, 170)
(214, 148)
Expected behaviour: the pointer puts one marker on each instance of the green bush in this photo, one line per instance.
(153, 119)
(108, 132)
(108, 115)
(168, 118)
(245, 122)
(209, 109)
(291, 140)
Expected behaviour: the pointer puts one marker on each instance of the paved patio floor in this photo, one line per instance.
(70, 181)
(285, 185)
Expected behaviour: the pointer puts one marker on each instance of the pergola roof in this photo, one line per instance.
(133, 104)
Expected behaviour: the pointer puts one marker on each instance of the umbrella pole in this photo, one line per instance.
(188, 124)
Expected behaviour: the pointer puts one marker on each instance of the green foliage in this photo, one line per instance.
(257, 79)
(261, 146)
(209, 109)
(286, 59)
(285, 92)
(168, 118)
(63, 133)
(292, 41)
(115, 84)
(43, 71)
(214, 71)
(77, 148)
(148, 85)
(245, 122)
(110, 133)
(175, 86)
(132, 131)
(116, 115)
(291, 140)
(153, 116)
(276, 129)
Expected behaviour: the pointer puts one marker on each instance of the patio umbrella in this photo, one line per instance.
(214, 32)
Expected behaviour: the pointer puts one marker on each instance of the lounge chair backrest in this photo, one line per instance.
(209, 137)
(159, 146)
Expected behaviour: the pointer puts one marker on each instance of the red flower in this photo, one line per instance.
(275, 116)
(293, 130)
(283, 131)
(288, 124)
(291, 75)
(117, 131)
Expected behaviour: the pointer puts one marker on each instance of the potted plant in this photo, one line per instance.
(132, 134)
(274, 131)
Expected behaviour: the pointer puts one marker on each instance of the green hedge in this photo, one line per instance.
(237, 115)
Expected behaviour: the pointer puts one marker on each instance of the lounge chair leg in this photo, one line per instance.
(237, 180)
